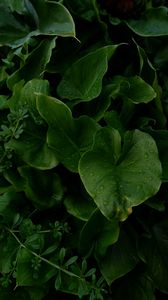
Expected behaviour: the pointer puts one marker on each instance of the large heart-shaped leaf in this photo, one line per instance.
(117, 180)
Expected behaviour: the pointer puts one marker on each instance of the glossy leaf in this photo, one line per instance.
(118, 181)
(161, 138)
(32, 147)
(53, 18)
(146, 69)
(153, 23)
(68, 137)
(83, 80)
(36, 63)
(132, 88)
(24, 96)
(83, 144)
(42, 18)
(12, 32)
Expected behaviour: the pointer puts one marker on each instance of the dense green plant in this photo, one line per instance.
(83, 149)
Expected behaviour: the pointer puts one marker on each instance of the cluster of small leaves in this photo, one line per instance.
(12, 128)
(83, 149)
(31, 260)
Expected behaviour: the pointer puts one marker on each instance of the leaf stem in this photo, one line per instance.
(42, 258)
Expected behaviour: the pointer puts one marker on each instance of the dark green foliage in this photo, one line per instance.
(83, 150)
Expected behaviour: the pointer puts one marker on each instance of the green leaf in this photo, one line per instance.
(79, 206)
(132, 88)
(119, 259)
(146, 69)
(153, 251)
(35, 242)
(25, 270)
(50, 250)
(25, 96)
(4, 185)
(97, 107)
(134, 286)
(106, 234)
(54, 19)
(32, 147)
(84, 9)
(35, 64)
(58, 281)
(3, 102)
(83, 80)
(118, 181)
(8, 248)
(9, 205)
(71, 285)
(17, 5)
(12, 31)
(4, 201)
(71, 261)
(161, 139)
(113, 120)
(74, 136)
(43, 188)
(154, 22)
(40, 18)
(156, 203)
(161, 58)
(36, 293)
